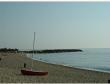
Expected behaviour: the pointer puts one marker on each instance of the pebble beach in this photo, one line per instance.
(12, 63)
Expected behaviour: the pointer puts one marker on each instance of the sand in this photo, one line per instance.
(12, 63)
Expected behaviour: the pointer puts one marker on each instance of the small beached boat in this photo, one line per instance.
(32, 72)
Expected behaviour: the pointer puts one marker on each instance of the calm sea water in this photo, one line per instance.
(97, 59)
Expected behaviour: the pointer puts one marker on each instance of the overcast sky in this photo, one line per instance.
(57, 25)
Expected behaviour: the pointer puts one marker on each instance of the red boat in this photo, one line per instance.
(33, 73)
(30, 71)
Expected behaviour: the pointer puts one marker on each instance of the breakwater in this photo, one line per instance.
(54, 51)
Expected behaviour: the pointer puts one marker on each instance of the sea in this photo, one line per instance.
(96, 59)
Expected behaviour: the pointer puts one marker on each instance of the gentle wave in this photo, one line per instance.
(90, 59)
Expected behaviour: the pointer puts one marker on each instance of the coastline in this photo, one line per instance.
(53, 51)
(12, 63)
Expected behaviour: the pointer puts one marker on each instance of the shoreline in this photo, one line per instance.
(90, 69)
(72, 67)
(12, 63)
(95, 70)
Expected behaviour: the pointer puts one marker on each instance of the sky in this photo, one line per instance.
(58, 25)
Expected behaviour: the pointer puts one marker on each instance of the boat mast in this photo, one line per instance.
(33, 48)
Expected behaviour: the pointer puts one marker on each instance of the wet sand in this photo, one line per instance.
(12, 63)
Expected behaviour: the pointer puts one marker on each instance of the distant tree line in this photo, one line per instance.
(8, 50)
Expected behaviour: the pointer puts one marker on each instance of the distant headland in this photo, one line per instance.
(40, 51)
(54, 51)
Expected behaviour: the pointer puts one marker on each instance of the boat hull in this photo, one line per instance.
(33, 73)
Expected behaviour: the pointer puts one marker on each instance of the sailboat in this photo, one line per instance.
(31, 71)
